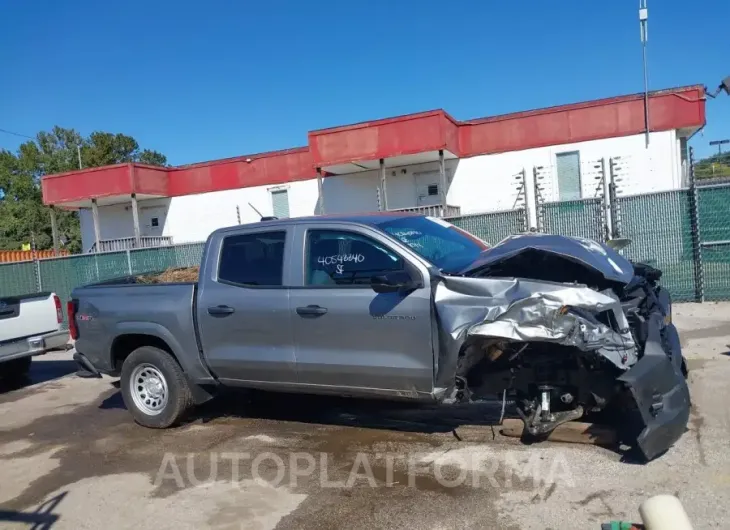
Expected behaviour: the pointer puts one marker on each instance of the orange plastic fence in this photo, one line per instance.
(12, 256)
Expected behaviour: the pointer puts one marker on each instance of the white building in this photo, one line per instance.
(426, 161)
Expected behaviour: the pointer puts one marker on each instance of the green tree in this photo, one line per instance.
(23, 217)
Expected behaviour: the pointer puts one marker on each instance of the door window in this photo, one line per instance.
(253, 259)
(568, 165)
(346, 258)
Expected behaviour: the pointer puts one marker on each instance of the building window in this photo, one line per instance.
(253, 259)
(568, 168)
(280, 203)
(345, 258)
(155, 222)
(433, 189)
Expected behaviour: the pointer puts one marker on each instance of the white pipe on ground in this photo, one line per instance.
(664, 512)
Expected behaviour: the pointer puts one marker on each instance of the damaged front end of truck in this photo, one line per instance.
(564, 328)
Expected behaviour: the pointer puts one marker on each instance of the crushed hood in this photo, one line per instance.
(552, 257)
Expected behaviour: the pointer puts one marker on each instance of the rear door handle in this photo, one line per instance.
(220, 310)
(311, 311)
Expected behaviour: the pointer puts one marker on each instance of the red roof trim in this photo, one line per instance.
(587, 104)
(243, 158)
(384, 121)
(388, 137)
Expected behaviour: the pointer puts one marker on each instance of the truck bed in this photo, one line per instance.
(123, 306)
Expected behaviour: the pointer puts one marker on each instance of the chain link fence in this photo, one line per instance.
(714, 230)
(579, 218)
(62, 275)
(658, 225)
(685, 233)
(492, 227)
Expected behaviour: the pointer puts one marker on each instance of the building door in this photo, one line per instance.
(152, 221)
(428, 188)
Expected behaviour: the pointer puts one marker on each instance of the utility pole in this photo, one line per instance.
(78, 150)
(643, 21)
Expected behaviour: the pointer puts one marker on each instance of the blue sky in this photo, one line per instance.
(210, 79)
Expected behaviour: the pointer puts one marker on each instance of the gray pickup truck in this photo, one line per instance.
(401, 307)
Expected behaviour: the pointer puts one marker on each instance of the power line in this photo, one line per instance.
(16, 134)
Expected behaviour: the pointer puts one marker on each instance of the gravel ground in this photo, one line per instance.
(72, 458)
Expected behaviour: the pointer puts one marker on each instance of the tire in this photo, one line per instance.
(154, 388)
(15, 369)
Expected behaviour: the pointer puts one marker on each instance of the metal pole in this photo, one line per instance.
(129, 262)
(135, 221)
(612, 199)
(694, 216)
(383, 186)
(607, 205)
(78, 150)
(54, 230)
(442, 178)
(97, 230)
(643, 20)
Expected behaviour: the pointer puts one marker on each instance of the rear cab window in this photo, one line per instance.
(253, 260)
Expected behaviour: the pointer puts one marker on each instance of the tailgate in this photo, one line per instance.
(27, 315)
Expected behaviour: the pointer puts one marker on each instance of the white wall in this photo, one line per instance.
(115, 221)
(486, 183)
(478, 184)
(357, 192)
(192, 218)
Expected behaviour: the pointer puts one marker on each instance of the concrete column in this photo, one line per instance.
(54, 230)
(382, 184)
(97, 230)
(320, 191)
(135, 220)
(442, 175)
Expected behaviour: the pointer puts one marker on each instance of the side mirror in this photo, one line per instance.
(391, 282)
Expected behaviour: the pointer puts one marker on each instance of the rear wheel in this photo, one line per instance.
(15, 369)
(154, 388)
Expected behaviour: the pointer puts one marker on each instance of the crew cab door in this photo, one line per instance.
(243, 307)
(347, 335)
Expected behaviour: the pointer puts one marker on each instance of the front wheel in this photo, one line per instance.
(154, 388)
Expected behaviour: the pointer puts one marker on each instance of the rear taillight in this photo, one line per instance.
(72, 329)
(59, 311)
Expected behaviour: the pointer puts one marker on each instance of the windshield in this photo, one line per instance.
(447, 247)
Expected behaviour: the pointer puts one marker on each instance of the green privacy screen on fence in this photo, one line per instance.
(580, 218)
(63, 275)
(492, 227)
(18, 278)
(714, 217)
(659, 225)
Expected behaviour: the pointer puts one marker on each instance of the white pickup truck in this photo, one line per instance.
(30, 325)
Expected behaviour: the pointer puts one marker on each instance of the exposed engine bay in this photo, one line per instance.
(564, 328)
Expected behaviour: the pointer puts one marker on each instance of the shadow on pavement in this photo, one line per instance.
(40, 519)
(41, 371)
(329, 410)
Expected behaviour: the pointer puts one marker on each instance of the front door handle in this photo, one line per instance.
(220, 310)
(311, 311)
